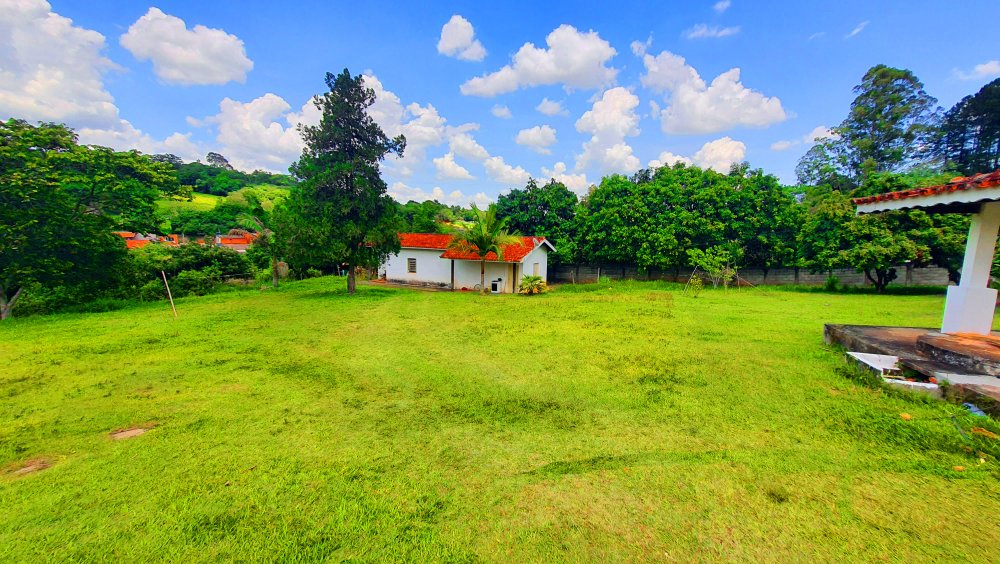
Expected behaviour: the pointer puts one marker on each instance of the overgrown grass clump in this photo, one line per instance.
(607, 421)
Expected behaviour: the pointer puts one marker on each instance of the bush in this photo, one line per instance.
(192, 283)
(695, 286)
(832, 283)
(531, 285)
(152, 291)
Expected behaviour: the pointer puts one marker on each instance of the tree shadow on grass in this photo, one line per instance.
(597, 463)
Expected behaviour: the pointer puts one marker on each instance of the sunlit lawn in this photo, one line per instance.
(199, 202)
(601, 422)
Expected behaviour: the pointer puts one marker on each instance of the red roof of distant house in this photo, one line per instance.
(236, 239)
(424, 240)
(989, 180)
(511, 253)
(136, 244)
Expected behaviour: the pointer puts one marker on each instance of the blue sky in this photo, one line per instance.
(627, 84)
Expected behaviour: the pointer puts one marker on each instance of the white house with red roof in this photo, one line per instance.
(426, 260)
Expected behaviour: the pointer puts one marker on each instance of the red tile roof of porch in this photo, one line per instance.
(988, 180)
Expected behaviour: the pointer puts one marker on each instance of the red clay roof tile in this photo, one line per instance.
(989, 180)
(511, 253)
(424, 240)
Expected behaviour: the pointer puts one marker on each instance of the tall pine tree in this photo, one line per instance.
(340, 212)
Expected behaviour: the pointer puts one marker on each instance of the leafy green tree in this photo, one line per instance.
(548, 211)
(834, 237)
(969, 138)
(890, 127)
(122, 186)
(340, 211)
(218, 161)
(167, 158)
(60, 202)
(259, 220)
(488, 234)
(423, 217)
(654, 222)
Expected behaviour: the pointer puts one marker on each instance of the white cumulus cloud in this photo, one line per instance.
(718, 155)
(53, 70)
(200, 55)
(574, 59)
(989, 69)
(458, 40)
(464, 145)
(261, 133)
(422, 126)
(500, 171)
(705, 31)
(448, 169)
(783, 145)
(538, 138)
(575, 182)
(667, 158)
(695, 107)
(819, 132)
(609, 121)
(721, 6)
(404, 193)
(502, 112)
(551, 108)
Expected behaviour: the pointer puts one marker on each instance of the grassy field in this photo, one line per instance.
(199, 202)
(600, 422)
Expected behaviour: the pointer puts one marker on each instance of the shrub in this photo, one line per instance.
(532, 285)
(191, 283)
(152, 291)
(695, 286)
(832, 283)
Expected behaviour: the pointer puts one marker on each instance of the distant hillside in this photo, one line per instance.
(206, 214)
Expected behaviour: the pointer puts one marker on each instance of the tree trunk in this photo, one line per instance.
(274, 272)
(351, 282)
(482, 276)
(7, 306)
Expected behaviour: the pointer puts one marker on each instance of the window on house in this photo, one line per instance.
(534, 269)
(411, 265)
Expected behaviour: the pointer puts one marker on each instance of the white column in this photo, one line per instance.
(970, 305)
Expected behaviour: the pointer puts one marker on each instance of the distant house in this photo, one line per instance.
(239, 243)
(139, 240)
(426, 260)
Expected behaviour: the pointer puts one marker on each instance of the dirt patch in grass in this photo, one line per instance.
(29, 466)
(131, 432)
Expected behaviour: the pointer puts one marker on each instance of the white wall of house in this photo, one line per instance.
(467, 274)
(431, 268)
(538, 256)
(434, 270)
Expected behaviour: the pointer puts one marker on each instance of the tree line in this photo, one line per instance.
(60, 201)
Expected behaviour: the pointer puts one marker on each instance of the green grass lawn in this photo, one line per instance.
(199, 202)
(600, 422)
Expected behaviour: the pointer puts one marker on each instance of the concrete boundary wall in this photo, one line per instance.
(588, 273)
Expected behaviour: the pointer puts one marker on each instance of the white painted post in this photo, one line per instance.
(970, 306)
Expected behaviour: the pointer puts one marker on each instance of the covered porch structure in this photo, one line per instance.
(969, 306)
(965, 351)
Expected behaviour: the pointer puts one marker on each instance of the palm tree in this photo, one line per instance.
(257, 219)
(488, 233)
